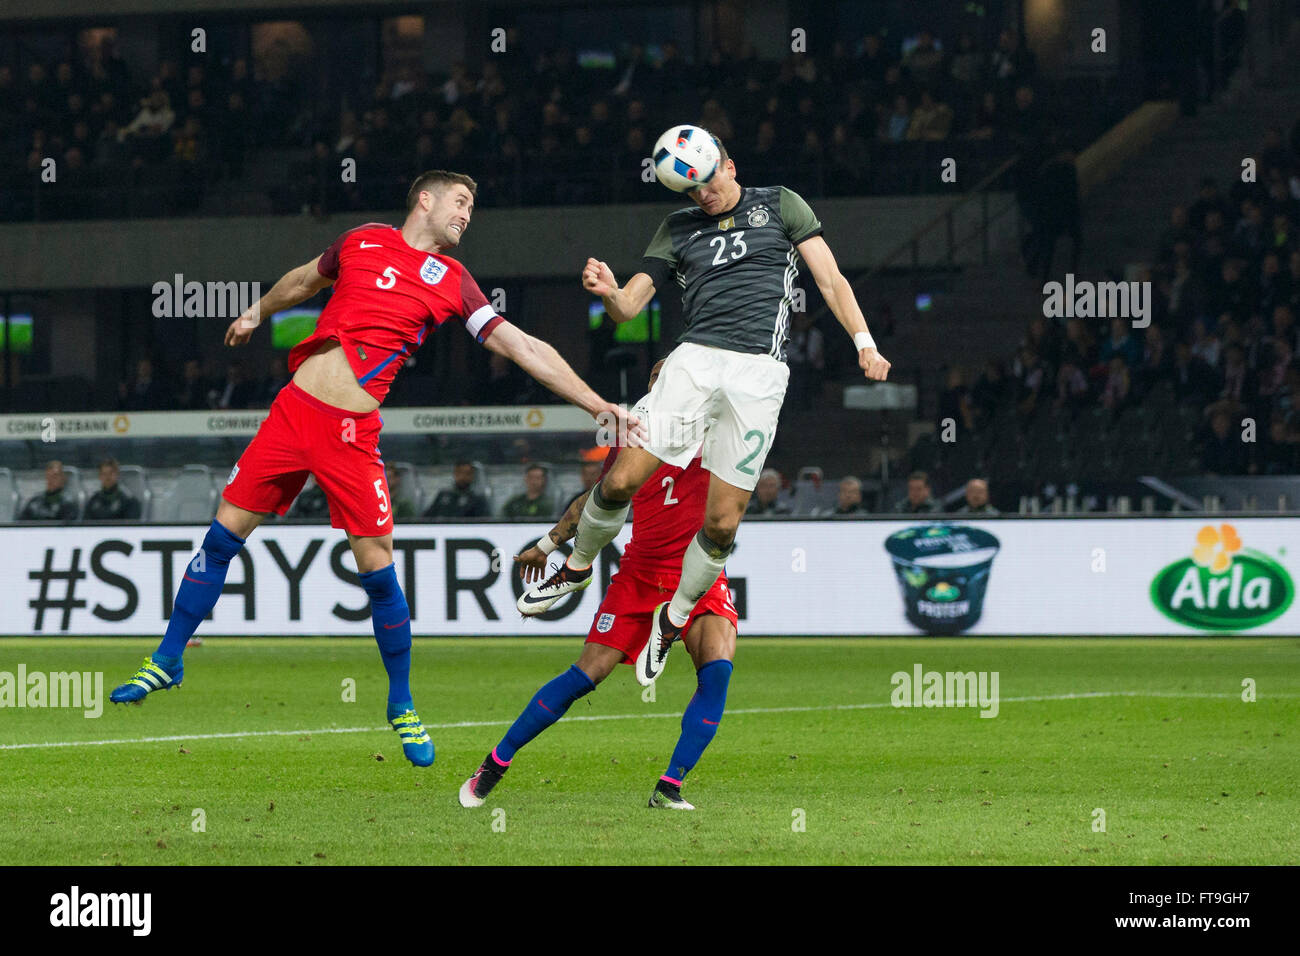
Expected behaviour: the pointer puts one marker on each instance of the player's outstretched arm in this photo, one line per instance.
(837, 292)
(296, 285)
(540, 360)
(621, 305)
(532, 562)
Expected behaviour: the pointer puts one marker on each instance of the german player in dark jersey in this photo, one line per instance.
(734, 254)
(668, 510)
(391, 287)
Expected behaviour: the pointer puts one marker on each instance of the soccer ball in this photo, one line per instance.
(685, 157)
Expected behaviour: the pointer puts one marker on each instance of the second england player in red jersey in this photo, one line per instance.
(391, 288)
(667, 512)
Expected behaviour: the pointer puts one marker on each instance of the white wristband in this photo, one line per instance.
(545, 544)
(863, 340)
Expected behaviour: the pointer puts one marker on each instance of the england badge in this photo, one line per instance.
(432, 271)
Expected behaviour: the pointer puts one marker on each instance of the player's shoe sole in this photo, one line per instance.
(539, 598)
(475, 790)
(417, 745)
(650, 662)
(668, 797)
(149, 678)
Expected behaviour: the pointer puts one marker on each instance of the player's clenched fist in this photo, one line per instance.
(598, 279)
(873, 364)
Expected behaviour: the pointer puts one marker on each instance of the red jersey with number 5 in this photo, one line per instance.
(387, 296)
(667, 512)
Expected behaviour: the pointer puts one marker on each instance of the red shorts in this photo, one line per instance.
(623, 619)
(303, 435)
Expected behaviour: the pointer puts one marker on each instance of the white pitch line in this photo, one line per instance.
(506, 723)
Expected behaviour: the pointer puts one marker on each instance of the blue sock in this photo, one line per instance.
(199, 590)
(391, 619)
(700, 722)
(547, 706)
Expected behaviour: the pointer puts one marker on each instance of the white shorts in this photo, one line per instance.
(727, 401)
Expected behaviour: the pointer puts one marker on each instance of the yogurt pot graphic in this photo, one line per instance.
(943, 571)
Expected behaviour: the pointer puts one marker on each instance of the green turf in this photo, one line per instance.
(1185, 771)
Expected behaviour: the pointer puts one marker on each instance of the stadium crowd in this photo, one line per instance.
(470, 496)
(536, 128)
(1222, 348)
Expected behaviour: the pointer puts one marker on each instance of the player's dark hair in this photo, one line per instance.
(919, 476)
(463, 463)
(111, 462)
(536, 467)
(436, 180)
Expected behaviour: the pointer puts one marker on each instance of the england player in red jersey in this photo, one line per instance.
(391, 288)
(667, 511)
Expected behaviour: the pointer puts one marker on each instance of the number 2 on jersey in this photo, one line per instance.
(743, 465)
(668, 496)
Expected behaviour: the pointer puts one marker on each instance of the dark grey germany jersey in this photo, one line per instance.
(736, 270)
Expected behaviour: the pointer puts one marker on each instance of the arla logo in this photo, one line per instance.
(1223, 586)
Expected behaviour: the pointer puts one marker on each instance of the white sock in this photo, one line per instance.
(600, 523)
(701, 565)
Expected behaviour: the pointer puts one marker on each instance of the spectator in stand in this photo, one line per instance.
(54, 504)
(111, 502)
(894, 125)
(1240, 383)
(807, 360)
(849, 501)
(277, 377)
(1030, 372)
(153, 120)
(533, 502)
(311, 503)
(460, 500)
(193, 392)
(1157, 361)
(235, 392)
(977, 499)
(767, 494)
(990, 392)
(924, 62)
(931, 120)
(589, 474)
(1122, 343)
(1194, 379)
(987, 121)
(403, 506)
(955, 403)
(919, 500)
(1223, 452)
(1205, 344)
(1119, 383)
(1072, 391)
(1208, 200)
(1011, 63)
(144, 393)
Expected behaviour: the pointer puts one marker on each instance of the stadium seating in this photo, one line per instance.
(8, 495)
(190, 496)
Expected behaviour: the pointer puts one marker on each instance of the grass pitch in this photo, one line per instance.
(811, 763)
